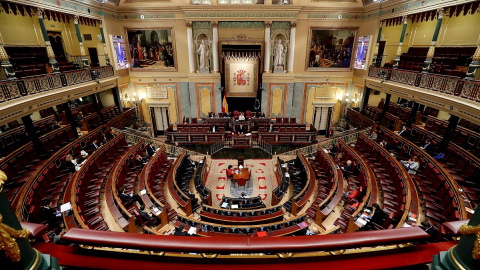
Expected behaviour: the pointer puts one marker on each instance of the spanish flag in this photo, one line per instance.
(224, 104)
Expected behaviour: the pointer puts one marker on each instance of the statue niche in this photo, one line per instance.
(279, 54)
(203, 54)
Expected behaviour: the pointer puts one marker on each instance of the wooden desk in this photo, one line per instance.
(243, 173)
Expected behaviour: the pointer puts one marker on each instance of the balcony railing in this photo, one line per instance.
(11, 89)
(468, 89)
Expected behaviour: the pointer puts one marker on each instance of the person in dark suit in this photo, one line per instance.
(180, 231)
(79, 119)
(379, 215)
(94, 145)
(185, 120)
(427, 145)
(241, 129)
(51, 215)
(262, 115)
(138, 160)
(213, 128)
(150, 150)
(347, 169)
(270, 128)
(129, 198)
(403, 132)
(150, 218)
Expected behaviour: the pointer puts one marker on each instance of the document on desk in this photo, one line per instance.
(192, 230)
(224, 205)
(65, 207)
(234, 206)
(143, 192)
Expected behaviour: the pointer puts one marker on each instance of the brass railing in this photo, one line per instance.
(348, 138)
(455, 86)
(10, 89)
(133, 137)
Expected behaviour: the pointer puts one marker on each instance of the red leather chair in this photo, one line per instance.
(248, 115)
(241, 181)
(235, 115)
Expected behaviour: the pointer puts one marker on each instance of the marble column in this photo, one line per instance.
(215, 46)
(80, 41)
(107, 59)
(267, 48)
(51, 55)
(472, 68)
(5, 63)
(191, 58)
(377, 59)
(291, 51)
(431, 50)
(400, 44)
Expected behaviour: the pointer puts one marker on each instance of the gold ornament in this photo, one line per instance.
(466, 229)
(8, 241)
(3, 179)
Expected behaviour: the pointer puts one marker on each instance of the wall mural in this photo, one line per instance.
(152, 49)
(330, 48)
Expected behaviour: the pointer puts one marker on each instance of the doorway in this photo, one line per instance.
(57, 45)
(94, 62)
(160, 119)
(321, 119)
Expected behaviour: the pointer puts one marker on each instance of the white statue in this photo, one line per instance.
(279, 54)
(204, 56)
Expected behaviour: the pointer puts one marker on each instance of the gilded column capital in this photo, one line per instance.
(268, 24)
(189, 24)
(39, 12)
(214, 24)
(441, 13)
(8, 243)
(293, 24)
(405, 19)
(75, 19)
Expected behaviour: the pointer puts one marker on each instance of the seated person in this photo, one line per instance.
(270, 128)
(351, 194)
(262, 115)
(52, 216)
(185, 120)
(427, 145)
(180, 231)
(138, 160)
(57, 237)
(211, 115)
(55, 125)
(384, 144)
(373, 136)
(241, 117)
(214, 128)
(150, 218)
(230, 172)
(428, 228)
(94, 145)
(312, 231)
(70, 163)
(151, 150)
(347, 168)
(128, 198)
(226, 115)
(412, 165)
(79, 119)
(241, 129)
(403, 132)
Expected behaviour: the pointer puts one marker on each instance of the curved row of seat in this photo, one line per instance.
(49, 181)
(17, 137)
(89, 181)
(199, 181)
(282, 181)
(440, 193)
(399, 198)
(21, 164)
(330, 186)
(241, 216)
(461, 164)
(367, 187)
(280, 228)
(303, 178)
(152, 178)
(124, 174)
(182, 170)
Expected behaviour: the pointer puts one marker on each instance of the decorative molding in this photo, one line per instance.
(280, 25)
(240, 15)
(241, 25)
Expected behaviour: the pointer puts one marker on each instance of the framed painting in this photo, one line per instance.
(330, 48)
(151, 49)
(362, 50)
(119, 51)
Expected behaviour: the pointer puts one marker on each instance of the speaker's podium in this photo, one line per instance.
(242, 141)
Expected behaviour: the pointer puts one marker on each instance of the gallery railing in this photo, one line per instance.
(350, 137)
(455, 86)
(133, 137)
(11, 89)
